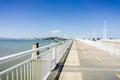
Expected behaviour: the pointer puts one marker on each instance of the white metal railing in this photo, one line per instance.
(110, 46)
(35, 68)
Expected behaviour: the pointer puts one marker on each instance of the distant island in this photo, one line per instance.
(54, 38)
(48, 38)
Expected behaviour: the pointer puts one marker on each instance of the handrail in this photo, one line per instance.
(110, 46)
(17, 55)
(7, 70)
(26, 69)
(110, 40)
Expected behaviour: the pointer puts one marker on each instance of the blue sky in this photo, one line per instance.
(38, 18)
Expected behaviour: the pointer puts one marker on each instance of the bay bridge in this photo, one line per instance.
(75, 59)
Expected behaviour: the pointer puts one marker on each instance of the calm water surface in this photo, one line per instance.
(8, 47)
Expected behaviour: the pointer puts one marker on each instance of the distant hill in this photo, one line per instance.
(54, 38)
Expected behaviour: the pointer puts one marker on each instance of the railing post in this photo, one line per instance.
(36, 53)
(112, 48)
(0, 77)
(100, 45)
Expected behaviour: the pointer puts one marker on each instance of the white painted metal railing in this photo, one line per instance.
(110, 46)
(36, 68)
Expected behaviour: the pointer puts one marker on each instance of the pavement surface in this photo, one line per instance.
(85, 62)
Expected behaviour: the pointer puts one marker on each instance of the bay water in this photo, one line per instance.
(8, 47)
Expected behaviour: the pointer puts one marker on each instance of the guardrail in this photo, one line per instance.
(37, 67)
(110, 46)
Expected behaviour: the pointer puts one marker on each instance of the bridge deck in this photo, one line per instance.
(85, 62)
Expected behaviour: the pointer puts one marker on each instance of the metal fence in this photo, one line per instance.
(35, 68)
(112, 47)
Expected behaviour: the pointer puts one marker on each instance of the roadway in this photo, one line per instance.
(85, 62)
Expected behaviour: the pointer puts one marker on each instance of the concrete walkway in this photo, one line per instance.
(85, 62)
